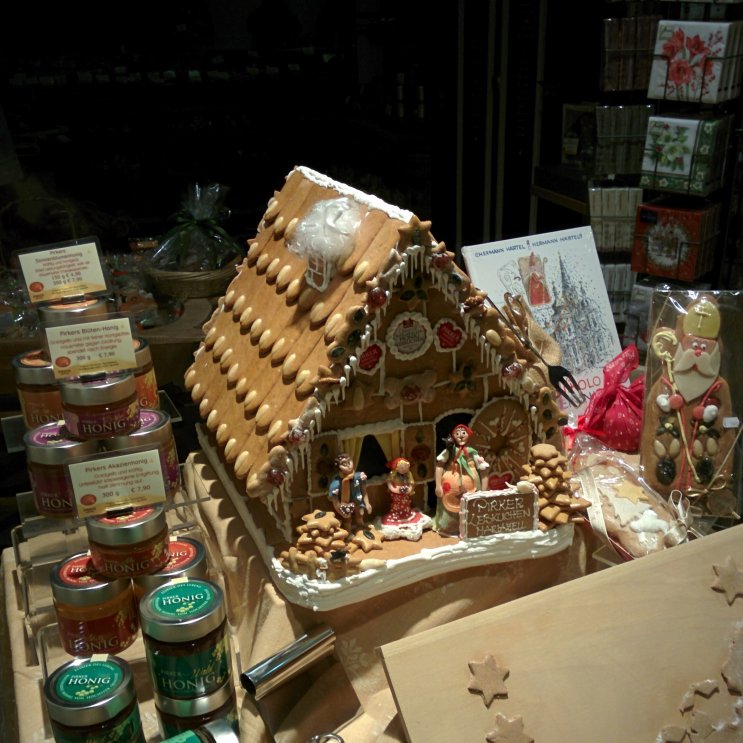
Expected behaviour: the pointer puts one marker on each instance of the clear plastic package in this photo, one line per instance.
(691, 426)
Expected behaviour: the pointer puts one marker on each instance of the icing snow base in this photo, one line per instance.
(391, 574)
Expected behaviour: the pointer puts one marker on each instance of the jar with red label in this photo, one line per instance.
(38, 389)
(155, 431)
(49, 449)
(130, 542)
(187, 560)
(94, 615)
(144, 375)
(101, 405)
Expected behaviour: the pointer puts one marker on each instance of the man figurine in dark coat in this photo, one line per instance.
(348, 492)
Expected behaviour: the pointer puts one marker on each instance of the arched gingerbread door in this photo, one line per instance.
(502, 436)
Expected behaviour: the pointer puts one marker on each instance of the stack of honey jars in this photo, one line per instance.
(68, 419)
(97, 613)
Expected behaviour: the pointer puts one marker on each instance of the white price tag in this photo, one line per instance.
(91, 347)
(125, 480)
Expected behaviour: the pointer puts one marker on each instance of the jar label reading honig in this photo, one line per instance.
(193, 675)
(129, 730)
(185, 599)
(88, 682)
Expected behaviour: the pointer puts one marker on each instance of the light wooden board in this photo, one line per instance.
(607, 657)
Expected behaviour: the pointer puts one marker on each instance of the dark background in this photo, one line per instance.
(116, 110)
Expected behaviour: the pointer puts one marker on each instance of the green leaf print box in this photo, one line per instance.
(685, 154)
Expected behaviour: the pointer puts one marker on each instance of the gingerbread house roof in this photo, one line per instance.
(277, 351)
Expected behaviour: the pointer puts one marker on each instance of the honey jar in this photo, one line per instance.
(69, 313)
(185, 634)
(93, 700)
(101, 405)
(218, 731)
(130, 542)
(144, 375)
(38, 389)
(94, 615)
(187, 559)
(48, 450)
(178, 715)
(155, 431)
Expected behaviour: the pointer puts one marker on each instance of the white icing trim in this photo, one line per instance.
(322, 596)
(368, 200)
(499, 548)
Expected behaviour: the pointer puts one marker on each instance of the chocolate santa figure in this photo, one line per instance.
(685, 444)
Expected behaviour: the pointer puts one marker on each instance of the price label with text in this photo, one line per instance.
(120, 481)
(91, 347)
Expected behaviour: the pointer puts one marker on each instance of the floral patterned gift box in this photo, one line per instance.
(685, 155)
(675, 238)
(697, 61)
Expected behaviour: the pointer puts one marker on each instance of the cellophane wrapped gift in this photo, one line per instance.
(614, 414)
(625, 512)
(198, 242)
(691, 424)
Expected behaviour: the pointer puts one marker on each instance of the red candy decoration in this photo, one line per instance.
(377, 297)
(676, 401)
(698, 412)
(275, 476)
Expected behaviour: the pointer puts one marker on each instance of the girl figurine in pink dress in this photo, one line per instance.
(400, 485)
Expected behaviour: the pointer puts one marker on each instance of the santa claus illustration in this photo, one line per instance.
(688, 430)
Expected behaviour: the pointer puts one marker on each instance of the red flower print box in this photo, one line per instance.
(697, 61)
(674, 239)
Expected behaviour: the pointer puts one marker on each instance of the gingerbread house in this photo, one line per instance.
(348, 327)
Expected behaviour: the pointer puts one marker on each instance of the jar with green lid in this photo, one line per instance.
(219, 731)
(49, 449)
(184, 627)
(37, 388)
(101, 405)
(187, 559)
(94, 615)
(130, 542)
(155, 431)
(177, 715)
(144, 375)
(93, 700)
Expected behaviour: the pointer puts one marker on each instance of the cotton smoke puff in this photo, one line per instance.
(328, 230)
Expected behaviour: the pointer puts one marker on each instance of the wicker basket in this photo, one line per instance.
(193, 284)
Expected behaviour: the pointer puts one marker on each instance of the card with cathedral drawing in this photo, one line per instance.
(559, 276)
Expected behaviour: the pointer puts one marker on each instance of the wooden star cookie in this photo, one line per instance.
(487, 679)
(508, 730)
(729, 580)
(368, 539)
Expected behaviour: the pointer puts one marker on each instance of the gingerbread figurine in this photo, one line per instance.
(458, 469)
(347, 492)
(685, 442)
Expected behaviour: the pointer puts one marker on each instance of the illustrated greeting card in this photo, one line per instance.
(696, 61)
(559, 276)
